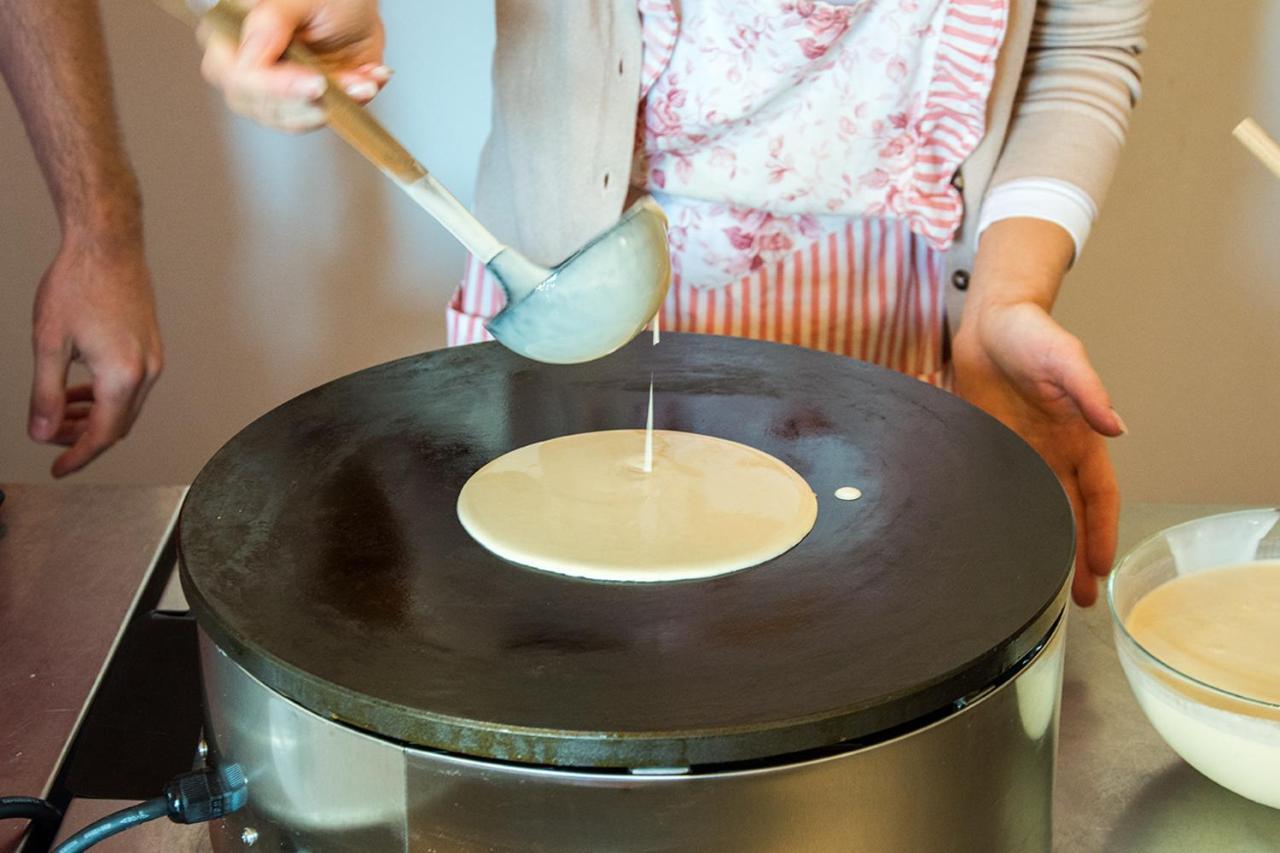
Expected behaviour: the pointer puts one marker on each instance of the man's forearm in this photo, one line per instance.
(54, 61)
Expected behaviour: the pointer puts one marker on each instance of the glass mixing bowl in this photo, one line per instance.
(1234, 740)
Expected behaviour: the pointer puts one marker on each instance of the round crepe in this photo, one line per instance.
(583, 505)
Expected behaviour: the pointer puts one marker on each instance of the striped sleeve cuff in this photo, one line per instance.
(1050, 199)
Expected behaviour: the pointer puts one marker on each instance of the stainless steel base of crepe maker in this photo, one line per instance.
(979, 778)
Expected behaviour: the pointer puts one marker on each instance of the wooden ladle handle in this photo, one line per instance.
(1259, 143)
(348, 118)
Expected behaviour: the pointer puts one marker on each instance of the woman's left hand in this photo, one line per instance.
(1015, 362)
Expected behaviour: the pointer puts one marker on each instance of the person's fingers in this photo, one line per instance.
(376, 72)
(219, 57)
(48, 386)
(96, 435)
(1101, 497)
(115, 387)
(360, 85)
(264, 95)
(99, 415)
(1084, 586)
(285, 95)
(285, 82)
(298, 87)
(70, 431)
(76, 412)
(1075, 375)
(267, 30)
(81, 393)
(153, 366)
(292, 116)
(74, 416)
(282, 95)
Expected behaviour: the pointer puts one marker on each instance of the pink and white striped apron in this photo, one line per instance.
(804, 152)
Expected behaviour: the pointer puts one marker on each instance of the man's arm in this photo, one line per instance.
(95, 302)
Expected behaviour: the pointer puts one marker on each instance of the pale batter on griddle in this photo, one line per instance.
(583, 505)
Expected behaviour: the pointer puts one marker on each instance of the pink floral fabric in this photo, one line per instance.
(767, 124)
(803, 152)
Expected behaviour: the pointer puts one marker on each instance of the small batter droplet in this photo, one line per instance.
(848, 493)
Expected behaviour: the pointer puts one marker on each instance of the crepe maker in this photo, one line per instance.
(891, 683)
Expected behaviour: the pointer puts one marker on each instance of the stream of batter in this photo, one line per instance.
(648, 423)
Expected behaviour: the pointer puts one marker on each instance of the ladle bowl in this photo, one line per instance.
(595, 301)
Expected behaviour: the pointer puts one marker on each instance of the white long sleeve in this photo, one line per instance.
(1054, 200)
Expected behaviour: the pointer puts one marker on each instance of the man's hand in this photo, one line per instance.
(1014, 361)
(347, 36)
(95, 306)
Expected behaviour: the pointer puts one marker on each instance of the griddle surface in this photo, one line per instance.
(321, 549)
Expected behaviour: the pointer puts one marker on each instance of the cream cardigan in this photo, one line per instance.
(566, 77)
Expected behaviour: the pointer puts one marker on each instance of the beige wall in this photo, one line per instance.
(282, 262)
(1178, 294)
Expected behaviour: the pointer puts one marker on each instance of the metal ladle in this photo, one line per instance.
(582, 309)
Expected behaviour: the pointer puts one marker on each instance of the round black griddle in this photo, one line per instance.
(320, 548)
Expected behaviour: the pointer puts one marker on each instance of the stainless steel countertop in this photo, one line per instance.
(1120, 789)
(72, 560)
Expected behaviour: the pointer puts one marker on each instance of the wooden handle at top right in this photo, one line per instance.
(1262, 146)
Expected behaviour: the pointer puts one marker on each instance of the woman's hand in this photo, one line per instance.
(1014, 361)
(346, 35)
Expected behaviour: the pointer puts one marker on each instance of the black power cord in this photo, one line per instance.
(112, 824)
(194, 797)
(42, 814)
